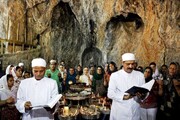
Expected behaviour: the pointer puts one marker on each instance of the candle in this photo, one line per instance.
(66, 110)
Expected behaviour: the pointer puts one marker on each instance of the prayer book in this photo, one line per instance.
(145, 88)
(51, 103)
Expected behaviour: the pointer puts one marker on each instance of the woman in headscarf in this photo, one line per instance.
(8, 110)
(3, 80)
(98, 83)
(111, 67)
(150, 103)
(17, 74)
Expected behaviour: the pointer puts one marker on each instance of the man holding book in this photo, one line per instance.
(124, 105)
(36, 91)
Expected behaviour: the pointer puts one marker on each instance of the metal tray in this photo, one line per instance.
(67, 118)
(90, 117)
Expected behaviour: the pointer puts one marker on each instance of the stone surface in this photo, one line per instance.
(96, 31)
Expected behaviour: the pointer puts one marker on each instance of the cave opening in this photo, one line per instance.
(129, 17)
(91, 56)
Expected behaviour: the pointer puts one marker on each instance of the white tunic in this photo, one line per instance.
(85, 79)
(38, 93)
(121, 81)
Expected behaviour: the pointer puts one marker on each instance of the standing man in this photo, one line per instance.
(37, 90)
(55, 74)
(125, 106)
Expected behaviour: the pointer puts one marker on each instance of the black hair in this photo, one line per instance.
(151, 73)
(17, 67)
(152, 63)
(173, 63)
(9, 76)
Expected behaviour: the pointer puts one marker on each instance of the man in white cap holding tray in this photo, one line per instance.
(37, 90)
(124, 106)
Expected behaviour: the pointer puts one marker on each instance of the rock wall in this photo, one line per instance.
(96, 31)
(24, 57)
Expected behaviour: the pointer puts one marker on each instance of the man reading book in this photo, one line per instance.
(34, 91)
(124, 106)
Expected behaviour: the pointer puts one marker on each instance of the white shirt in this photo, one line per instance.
(38, 92)
(121, 81)
(85, 79)
(6, 93)
(3, 82)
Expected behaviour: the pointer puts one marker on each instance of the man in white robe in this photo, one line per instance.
(125, 106)
(37, 90)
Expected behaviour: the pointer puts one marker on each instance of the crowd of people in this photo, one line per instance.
(21, 89)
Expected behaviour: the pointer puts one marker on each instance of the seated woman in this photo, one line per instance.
(8, 110)
(99, 85)
(86, 77)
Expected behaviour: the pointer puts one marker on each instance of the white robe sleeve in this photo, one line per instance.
(113, 91)
(20, 100)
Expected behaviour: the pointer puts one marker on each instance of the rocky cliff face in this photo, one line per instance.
(96, 31)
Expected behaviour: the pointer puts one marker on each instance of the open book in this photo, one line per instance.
(51, 103)
(145, 88)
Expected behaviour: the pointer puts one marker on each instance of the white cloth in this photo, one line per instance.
(148, 114)
(155, 75)
(8, 71)
(6, 93)
(21, 64)
(38, 92)
(121, 81)
(128, 56)
(52, 61)
(3, 82)
(84, 79)
(38, 62)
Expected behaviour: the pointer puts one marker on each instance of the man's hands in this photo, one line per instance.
(141, 95)
(28, 105)
(127, 97)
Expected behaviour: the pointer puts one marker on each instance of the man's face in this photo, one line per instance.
(71, 71)
(172, 70)
(164, 69)
(38, 72)
(52, 66)
(128, 66)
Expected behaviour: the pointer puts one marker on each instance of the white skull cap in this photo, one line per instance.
(38, 62)
(21, 64)
(52, 61)
(128, 56)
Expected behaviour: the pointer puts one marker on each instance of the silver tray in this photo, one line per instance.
(67, 118)
(90, 117)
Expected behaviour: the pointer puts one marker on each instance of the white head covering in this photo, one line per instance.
(8, 71)
(38, 62)
(21, 64)
(52, 61)
(3, 82)
(128, 56)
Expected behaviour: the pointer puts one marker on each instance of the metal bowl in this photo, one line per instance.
(77, 87)
(67, 118)
(90, 117)
(74, 112)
